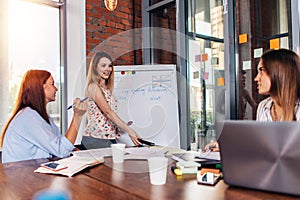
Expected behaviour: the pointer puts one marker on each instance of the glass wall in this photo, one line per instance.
(260, 25)
(163, 35)
(205, 69)
(224, 42)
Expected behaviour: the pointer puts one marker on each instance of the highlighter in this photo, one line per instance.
(176, 171)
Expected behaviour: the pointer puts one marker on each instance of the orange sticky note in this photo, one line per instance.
(243, 38)
(274, 43)
(204, 57)
(221, 81)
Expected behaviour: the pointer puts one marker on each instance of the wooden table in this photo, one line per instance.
(132, 177)
(18, 181)
(129, 180)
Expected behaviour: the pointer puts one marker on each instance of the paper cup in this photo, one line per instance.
(158, 170)
(118, 151)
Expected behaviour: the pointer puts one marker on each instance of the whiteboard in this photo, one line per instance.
(147, 95)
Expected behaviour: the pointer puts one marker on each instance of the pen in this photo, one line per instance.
(82, 100)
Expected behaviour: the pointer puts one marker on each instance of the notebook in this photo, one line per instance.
(261, 155)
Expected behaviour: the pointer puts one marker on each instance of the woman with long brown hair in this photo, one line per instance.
(30, 133)
(279, 77)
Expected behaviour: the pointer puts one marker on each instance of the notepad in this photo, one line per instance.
(73, 165)
(196, 156)
(93, 153)
(143, 153)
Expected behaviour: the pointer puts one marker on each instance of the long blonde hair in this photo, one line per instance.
(283, 68)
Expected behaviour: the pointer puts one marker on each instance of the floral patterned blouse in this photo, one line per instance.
(99, 126)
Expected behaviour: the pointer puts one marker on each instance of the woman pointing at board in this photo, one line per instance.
(103, 122)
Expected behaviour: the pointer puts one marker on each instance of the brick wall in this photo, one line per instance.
(114, 32)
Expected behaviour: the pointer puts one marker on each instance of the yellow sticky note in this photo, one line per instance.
(274, 43)
(243, 38)
(204, 57)
(221, 81)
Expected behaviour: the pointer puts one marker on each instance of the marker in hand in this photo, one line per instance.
(82, 100)
(146, 142)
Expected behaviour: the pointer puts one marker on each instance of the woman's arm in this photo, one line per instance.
(95, 92)
(79, 110)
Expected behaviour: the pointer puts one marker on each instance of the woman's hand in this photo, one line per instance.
(79, 107)
(212, 146)
(134, 137)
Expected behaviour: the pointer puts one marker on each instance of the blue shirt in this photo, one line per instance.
(29, 136)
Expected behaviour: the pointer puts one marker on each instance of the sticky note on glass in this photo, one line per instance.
(274, 43)
(197, 58)
(204, 75)
(214, 60)
(196, 75)
(246, 65)
(221, 81)
(258, 52)
(204, 57)
(243, 38)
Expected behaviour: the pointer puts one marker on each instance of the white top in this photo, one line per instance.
(264, 110)
(29, 136)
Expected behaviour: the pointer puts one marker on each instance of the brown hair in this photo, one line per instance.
(31, 94)
(93, 76)
(283, 68)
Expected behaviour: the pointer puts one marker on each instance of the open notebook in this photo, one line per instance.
(261, 155)
(72, 165)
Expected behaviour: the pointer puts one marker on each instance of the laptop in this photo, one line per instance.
(261, 155)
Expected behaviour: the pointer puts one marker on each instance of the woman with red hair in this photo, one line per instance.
(30, 133)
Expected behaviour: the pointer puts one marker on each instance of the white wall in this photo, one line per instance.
(76, 51)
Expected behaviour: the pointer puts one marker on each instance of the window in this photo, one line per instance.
(33, 42)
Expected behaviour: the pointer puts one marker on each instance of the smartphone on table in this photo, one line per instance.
(54, 166)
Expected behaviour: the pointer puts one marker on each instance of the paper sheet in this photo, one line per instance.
(210, 155)
(93, 153)
(143, 153)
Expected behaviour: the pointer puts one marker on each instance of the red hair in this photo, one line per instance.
(31, 94)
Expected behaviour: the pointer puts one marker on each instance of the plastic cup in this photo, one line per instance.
(118, 151)
(158, 170)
